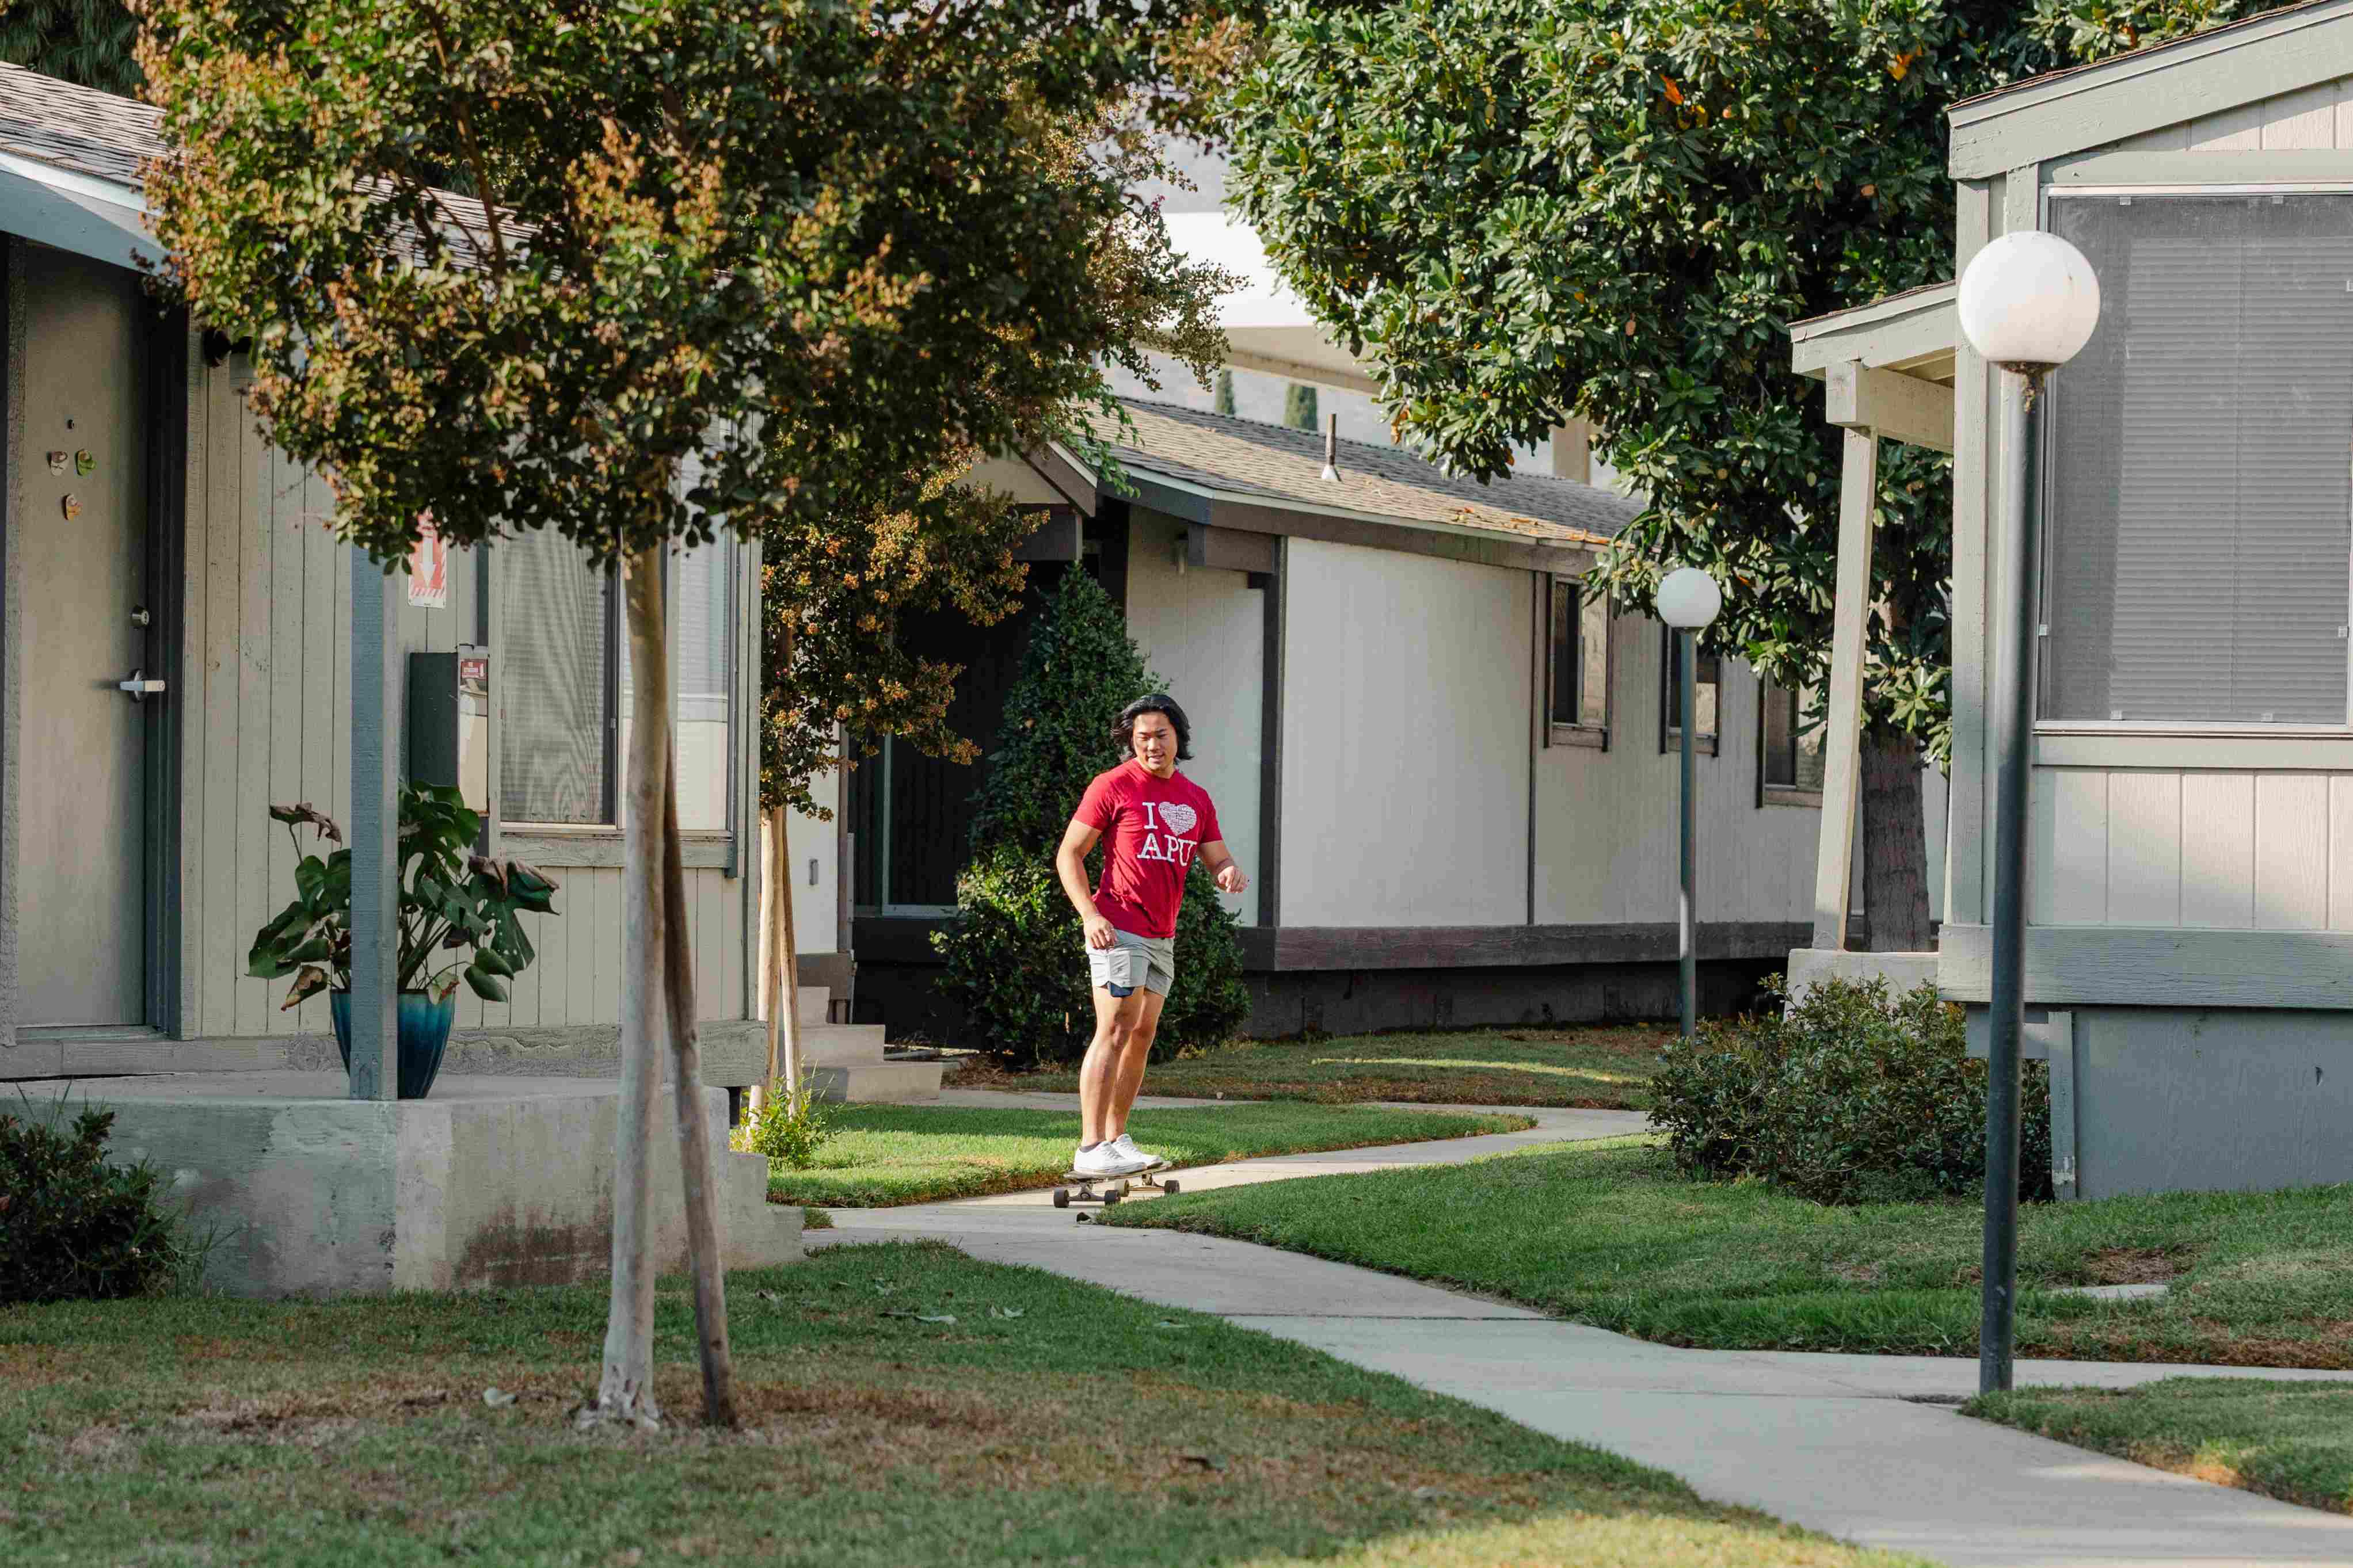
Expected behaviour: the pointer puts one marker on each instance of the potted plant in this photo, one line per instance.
(460, 917)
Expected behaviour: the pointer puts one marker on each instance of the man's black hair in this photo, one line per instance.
(1158, 702)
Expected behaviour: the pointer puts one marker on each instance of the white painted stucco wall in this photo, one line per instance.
(1407, 710)
(1204, 633)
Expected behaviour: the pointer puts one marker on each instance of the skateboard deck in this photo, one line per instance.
(1109, 1190)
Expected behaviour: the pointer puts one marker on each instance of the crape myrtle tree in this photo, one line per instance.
(773, 245)
(1529, 211)
(836, 593)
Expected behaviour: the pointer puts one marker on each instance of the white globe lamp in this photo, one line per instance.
(2029, 301)
(1689, 599)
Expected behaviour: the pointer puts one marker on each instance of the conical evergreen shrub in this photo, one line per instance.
(1016, 959)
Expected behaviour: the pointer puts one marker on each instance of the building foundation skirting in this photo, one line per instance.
(905, 998)
(488, 1181)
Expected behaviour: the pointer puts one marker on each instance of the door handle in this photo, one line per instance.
(139, 686)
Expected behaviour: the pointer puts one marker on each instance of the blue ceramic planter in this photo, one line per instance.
(424, 1036)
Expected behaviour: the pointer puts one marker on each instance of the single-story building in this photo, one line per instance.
(176, 656)
(1451, 776)
(2188, 955)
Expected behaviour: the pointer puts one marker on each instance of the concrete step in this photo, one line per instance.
(756, 1233)
(841, 1044)
(879, 1083)
(816, 1003)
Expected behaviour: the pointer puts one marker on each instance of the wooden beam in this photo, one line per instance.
(1891, 406)
(1843, 755)
(1923, 325)
(2188, 967)
(376, 823)
(1208, 549)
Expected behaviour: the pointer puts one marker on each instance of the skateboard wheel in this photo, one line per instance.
(1061, 1197)
(1110, 1198)
(1169, 1187)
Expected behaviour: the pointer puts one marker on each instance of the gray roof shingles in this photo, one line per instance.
(1250, 458)
(76, 129)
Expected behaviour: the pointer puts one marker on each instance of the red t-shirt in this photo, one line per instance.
(1151, 827)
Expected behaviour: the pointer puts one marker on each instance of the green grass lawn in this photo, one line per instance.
(883, 1154)
(1608, 1234)
(2288, 1440)
(1048, 1422)
(1603, 1067)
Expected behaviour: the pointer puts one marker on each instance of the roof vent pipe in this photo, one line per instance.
(1332, 451)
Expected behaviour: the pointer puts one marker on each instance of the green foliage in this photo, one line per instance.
(1299, 406)
(1078, 671)
(87, 42)
(1526, 210)
(452, 903)
(74, 1228)
(791, 1127)
(1852, 1094)
(741, 265)
(1015, 956)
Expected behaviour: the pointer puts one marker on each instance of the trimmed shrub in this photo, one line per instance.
(1850, 1095)
(1016, 959)
(74, 1228)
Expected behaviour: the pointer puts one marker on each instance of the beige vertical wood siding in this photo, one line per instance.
(266, 681)
(2315, 119)
(1204, 633)
(2224, 850)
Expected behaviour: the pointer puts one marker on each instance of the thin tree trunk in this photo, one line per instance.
(788, 954)
(1895, 844)
(625, 1392)
(694, 1134)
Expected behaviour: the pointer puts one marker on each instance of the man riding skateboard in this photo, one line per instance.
(1152, 821)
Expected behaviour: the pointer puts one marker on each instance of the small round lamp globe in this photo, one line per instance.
(2029, 300)
(1688, 599)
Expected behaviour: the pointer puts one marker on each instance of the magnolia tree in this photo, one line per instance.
(836, 593)
(1531, 211)
(785, 248)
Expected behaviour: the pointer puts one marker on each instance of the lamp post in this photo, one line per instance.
(1688, 599)
(2028, 303)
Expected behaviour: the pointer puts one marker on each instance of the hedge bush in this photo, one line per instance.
(1015, 959)
(1852, 1094)
(74, 1228)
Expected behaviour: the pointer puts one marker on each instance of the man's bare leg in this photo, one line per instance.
(1134, 1052)
(1101, 1072)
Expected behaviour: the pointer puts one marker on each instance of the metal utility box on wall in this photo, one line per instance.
(450, 721)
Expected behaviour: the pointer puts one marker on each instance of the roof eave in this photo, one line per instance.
(102, 219)
(2207, 73)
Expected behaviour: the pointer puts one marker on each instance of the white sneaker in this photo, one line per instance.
(1128, 1150)
(1106, 1160)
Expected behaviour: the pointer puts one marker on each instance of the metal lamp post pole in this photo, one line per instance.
(1687, 695)
(2013, 717)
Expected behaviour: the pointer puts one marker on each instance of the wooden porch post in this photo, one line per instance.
(1842, 751)
(376, 827)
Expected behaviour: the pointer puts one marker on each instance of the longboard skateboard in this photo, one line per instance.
(1109, 1190)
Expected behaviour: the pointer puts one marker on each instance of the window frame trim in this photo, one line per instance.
(1556, 732)
(1768, 793)
(1671, 736)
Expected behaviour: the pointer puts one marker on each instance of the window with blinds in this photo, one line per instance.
(553, 682)
(702, 644)
(2198, 465)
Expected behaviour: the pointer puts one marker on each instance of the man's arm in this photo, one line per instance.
(1223, 868)
(1070, 865)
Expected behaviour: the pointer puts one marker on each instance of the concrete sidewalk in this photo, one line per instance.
(1841, 1444)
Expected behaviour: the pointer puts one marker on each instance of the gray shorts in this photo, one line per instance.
(1133, 961)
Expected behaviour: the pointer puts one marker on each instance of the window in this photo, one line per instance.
(1706, 684)
(1790, 768)
(565, 684)
(2195, 562)
(555, 685)
(1578, 705)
